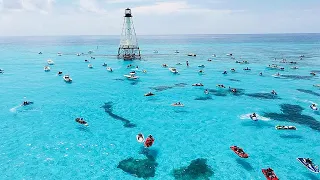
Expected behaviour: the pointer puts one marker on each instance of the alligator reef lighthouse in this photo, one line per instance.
(128, 49)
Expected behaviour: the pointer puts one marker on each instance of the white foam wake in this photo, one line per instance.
(247, 116)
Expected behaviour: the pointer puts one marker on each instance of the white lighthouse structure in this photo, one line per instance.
(128, 49)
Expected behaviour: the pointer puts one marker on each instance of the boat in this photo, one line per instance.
(313, 73)
(164, 65)
(131, 76)
(78, 54)
(82, 121)
(295, 67)
(178, 63)
(140, 138)
(132, 73)
(178, 104)
(173, 70)
(239, 151)
(46, 68)
(149, 94)
(86, 61)
(269, 174)
(197, 84)
(201, 66)
(149, 141)
(176, 51)
(26, 103)
(221, 86)
(90, 66)
(314, 107)
(59, 54)
(50, 62)
(60, 73)
(104, 64)
(254, 117)
(192, 54)
(278, 127)
(109, 69)
(67, 78)
(309, 164)
(316, 85)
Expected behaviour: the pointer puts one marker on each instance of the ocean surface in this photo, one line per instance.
(43, 141)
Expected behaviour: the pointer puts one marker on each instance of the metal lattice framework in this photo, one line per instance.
(129, 48)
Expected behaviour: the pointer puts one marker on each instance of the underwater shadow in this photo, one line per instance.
(256, 124)
(311, 176)
(108, 109)
(263, 96)
(247, 166)
(198, 169)
(163, 88)
(292, 113)
(309, 92)
(203, 98)
(290, 136)
(235, 80)
(295, 77)
(84, 129)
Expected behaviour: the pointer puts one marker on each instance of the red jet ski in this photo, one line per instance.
(269, 174)
(149, 141)
(239, 151)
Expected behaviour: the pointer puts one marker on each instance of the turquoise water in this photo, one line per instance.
(42, 141)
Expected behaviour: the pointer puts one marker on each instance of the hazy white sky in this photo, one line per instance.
(105, 17)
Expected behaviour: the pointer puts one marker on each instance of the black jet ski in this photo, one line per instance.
(278, 127)
(81, 121)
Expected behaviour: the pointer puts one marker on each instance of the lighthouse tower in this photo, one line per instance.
(128, 49)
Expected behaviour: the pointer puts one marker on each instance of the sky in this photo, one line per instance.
(158, 17)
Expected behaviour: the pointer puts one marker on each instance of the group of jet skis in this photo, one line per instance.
(269, 173)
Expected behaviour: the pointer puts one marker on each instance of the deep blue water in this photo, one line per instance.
(42, 141)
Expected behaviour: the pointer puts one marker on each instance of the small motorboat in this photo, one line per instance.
(104, 64)
(316, 85)
(269, 174)
(173, 70)
(176, 51)
(278, 127)
(67, 78)
(313, 73)
(26, 103)
(178, 104)
(131, 76)
(90, 66)
(50, 62)
(109, 69)
(46, 68)
(40, 53)
(149, 94)
(309, 164)
(239, 151)
(192, 54)
(149, 141)
(197, 84)
(201, 66)
(254, 117)
(314, 107)
(140, 138)
(59, 54)
(82, 121)
(295, 67)
(164, 65)
(86, 60)
(60, 73)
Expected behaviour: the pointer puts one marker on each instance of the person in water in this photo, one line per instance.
(260, 73)
(187, 62)
(206, 91)
(274, 92)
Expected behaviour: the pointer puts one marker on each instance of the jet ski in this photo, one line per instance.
(197, 84)
(239, 151)
(295, 67)
(316, 85)
(109, 69)
(26, 103)
(149, 94)
(247, 69)
(104, 64)
(313, 73)
(314, 107)
(81, 121)
(254, 117)
(140, 138)
(149, 141)
(201, 66)
(178, 64)
(309, 164)
(269, 174)
(221, 86)
(178, 104)
(278, 127)
(60, 73)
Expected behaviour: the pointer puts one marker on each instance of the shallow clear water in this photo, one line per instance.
(42, 141)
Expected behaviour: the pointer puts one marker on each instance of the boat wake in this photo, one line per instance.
(247, 116)
(14, 109)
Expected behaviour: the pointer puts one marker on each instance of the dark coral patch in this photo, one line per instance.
(198, 169)
(308, 92)
(141, 168)
(292, 113)
(108, 109)
(295, 77)
(263, 96)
